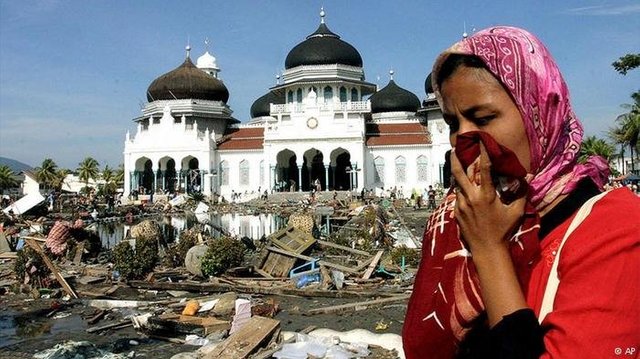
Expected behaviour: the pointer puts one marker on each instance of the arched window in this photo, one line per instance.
(328, 94)
(354, 95)
(421, 168)
(224, 173)
(314, 89)
(299, 96)
(290, 96)
(244, 172)
(401, 169)
(262, 170)
(343, 94)
(378, 174)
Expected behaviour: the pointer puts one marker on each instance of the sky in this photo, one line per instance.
(74, 74)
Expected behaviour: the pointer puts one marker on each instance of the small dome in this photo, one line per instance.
(262, 106)
(206, 61)
(393, 98)
(323, 47)
(428, 87)
(187, 82)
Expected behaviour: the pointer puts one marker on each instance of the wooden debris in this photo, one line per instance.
(9, 255)
(372, 265)
(289, 240)
(101, 313)
(33, 244)
(357, 306)
(117, 325)
(186, 324)
(309, 259)
(77, 259)
(246, 340)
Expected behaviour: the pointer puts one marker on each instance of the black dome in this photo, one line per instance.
(261, 106)
(428, 88)
(187, 82)
(323, 47)
(393, 98)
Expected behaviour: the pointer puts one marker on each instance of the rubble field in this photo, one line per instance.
(333, 282)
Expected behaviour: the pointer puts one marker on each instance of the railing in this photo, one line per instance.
(322, 106)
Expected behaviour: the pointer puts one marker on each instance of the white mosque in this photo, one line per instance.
(322, 123)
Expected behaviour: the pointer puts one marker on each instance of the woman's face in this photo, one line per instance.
(473, 100)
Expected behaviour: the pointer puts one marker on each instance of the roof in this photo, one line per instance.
(394, 98)
(262, 106)
(248, 138)
(323, 47)
(389, 134)
(187, 82)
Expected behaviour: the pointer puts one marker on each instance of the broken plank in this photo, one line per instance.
(372, 265)
(262, 273)
(357, 306)
(116, 325)
(67, 288)
(246, 340)
(310, 259)
(344, 248)
(77, 259)
(9, 255)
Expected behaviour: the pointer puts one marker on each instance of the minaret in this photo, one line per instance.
(207, 62)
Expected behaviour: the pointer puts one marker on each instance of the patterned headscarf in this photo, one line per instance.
(525, 68)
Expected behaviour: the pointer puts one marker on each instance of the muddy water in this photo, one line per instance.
(242, 225)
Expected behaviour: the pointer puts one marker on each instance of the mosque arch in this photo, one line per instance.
(313, 169)
(327, 93)
(224, 173)
(286, 171)
(341, 170)
(299, 95)
(378, 174)
(168, 175)
(354, 95)
(191, 174)
(143, 176)
(343, 94)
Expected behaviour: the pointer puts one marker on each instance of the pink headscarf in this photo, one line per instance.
(524, 66)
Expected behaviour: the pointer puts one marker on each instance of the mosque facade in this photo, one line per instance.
(323, 125)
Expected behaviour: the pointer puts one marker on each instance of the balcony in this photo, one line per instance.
(355, 106)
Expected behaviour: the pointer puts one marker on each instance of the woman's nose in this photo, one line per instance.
(465, 125)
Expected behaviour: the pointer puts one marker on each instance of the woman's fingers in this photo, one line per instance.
(486, 182)
(458, 172)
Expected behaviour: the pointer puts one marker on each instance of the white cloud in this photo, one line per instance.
(604, 10)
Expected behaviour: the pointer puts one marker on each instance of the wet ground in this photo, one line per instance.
(30, 325)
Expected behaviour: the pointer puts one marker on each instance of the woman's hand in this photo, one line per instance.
(485, 222)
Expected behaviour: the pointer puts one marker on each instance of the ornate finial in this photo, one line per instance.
(206, 43)
(277, 79)
(464, 34)
(188, 48)
(391, 74)
(322, 15)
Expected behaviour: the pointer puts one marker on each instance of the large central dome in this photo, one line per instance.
(187, 82)
(323, 47)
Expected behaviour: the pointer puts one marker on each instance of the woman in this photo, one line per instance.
(522, 214)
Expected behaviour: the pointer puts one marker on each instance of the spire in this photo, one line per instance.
(277, 79)
(206, 44)
(322, 15)
(188, 48)
(391, 74)
(464, 34)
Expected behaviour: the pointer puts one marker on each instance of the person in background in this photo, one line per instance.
(527, 257)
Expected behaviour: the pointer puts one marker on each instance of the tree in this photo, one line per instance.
(596, 146)
(626, 63)
(108, 176)
(47, 173)
(88, 169)
(628, 130)
(119, 176)
(7, 178)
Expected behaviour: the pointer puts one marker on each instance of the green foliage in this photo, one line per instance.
(124, 260)
(223, 253)
(88, 169)
(47, 173)
(596, 146)
(197, 196)
(135, 264)
(627, 130)
(7, 179)
(626, 63)
(176, 254)
(411, 256)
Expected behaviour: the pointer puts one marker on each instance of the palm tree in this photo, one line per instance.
(88, 169)
(616, 135)
(61, 174)
(109, 179)
(7, 178)
(47, 173)
(595, 146)
(630, 126)
(119, 175)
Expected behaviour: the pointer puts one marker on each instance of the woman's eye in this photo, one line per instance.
(484, 120)
(453, 126)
